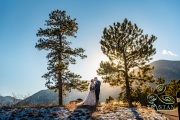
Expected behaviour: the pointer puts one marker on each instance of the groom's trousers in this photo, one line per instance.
(97, 95)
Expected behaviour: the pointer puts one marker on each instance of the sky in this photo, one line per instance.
(22, 65)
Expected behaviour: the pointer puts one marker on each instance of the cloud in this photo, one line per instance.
(167, 52)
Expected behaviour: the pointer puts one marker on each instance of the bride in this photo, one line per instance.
(91, 98)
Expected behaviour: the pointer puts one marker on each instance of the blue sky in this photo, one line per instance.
(21, 65)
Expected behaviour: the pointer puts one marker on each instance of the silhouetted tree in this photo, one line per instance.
(61, 54)
(173, 87)
(140, 93)
(109, 99)
(127, 49)
(159, 81)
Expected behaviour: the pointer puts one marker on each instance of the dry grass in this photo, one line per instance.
(144, 108)
(71, 106)
(30, 106)
(38, 106)
(137, 104)
(112, 105)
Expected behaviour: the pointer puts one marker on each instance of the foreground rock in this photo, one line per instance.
(81, 113)
(53, 113)
(34, 113)
(124, 113)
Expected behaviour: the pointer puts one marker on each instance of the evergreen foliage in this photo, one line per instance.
(109, 99)
(127, 49)
(173, 87)
(54, 40)
(140, 93)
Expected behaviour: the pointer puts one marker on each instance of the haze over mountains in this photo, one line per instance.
(162, 68)
(45, 97)
(8, 100)
(166, 69)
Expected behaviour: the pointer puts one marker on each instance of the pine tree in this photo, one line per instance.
(159, 81)
(173, 87)
(54, 40)
(127, 49)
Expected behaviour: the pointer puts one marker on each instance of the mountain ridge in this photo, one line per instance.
(167, 69)
(8, 101)
(46, 97)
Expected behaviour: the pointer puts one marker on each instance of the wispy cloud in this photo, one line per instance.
(167, 52)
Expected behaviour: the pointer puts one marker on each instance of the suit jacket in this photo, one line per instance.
(97, 85)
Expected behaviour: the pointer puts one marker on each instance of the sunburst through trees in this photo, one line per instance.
(127, 49)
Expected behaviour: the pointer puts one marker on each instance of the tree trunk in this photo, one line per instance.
(128, 90)
(60, 75)
(60, 90)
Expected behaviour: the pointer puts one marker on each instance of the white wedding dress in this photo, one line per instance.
(91, 97)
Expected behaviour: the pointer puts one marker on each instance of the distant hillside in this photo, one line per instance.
(40, 98)
(50, 97)
(163, 68)
(8, 101)
(166, 69)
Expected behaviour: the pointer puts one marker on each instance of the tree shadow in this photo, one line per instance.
(136, 114)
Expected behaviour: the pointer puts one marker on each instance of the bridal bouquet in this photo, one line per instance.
(92, 88)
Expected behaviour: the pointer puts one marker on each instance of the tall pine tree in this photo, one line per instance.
(54, 40)
(173, 87)
(127, 49)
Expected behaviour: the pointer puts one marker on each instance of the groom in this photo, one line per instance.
(97, 90)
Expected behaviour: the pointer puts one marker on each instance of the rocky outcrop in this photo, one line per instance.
(80, 113)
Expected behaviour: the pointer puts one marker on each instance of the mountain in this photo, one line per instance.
(8, 101)
(162, 68)
(45, 97)
(166, 69)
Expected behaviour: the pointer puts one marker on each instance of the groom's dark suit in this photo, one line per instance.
(97, 90)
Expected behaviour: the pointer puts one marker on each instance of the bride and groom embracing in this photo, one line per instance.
(92, 98)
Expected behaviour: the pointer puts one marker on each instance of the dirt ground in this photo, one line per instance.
(171, 114)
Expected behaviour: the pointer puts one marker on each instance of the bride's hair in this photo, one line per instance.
(92, 80)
